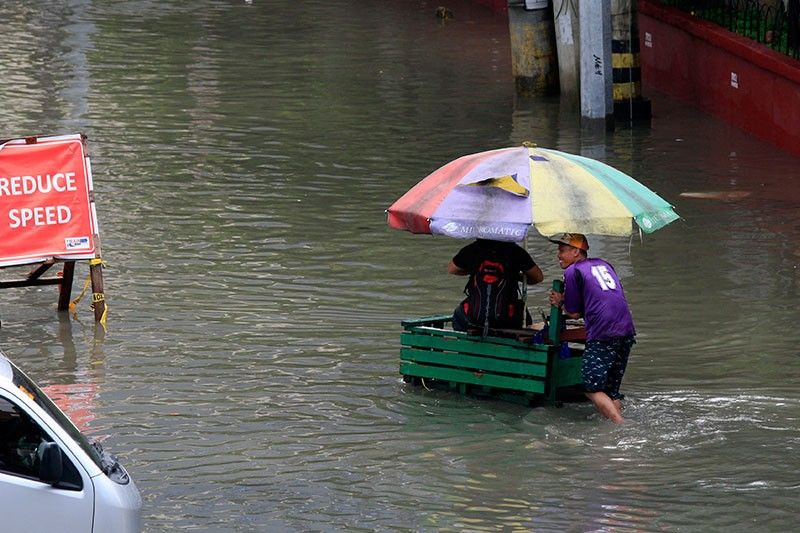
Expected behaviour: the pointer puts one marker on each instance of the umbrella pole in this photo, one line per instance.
(524, 289)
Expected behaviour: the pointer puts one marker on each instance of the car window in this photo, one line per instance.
(30, 388)
(20, 441)
(20, 438)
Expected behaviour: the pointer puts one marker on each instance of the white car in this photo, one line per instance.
(51, 477)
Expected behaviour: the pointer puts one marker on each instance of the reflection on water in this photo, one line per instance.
(244, 154)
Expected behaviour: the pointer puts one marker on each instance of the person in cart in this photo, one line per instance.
(493, 296)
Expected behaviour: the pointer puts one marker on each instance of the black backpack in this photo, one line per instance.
(493, 297)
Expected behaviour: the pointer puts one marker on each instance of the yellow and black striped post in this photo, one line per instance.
(534, 63)
(626, 69)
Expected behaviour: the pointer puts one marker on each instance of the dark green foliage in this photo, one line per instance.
(776, 26)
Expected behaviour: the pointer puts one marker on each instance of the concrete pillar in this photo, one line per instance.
(533, 50)
(627, 72)
(565, 15)
(597, 106)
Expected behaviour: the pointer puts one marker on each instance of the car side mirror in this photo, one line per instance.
(50, 465)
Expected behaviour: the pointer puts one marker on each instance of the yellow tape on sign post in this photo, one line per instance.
(74, 303)
(100, 297)
(96, 296)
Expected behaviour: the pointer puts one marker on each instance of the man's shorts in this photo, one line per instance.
(604, 365)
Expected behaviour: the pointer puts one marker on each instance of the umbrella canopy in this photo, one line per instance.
(499, 194)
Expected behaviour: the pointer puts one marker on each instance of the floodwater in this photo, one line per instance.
(244, 154)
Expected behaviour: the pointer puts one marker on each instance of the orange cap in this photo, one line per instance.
(576, 240)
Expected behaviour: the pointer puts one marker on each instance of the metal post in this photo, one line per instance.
(556, 318)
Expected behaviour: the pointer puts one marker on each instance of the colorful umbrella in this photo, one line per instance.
(498, 195)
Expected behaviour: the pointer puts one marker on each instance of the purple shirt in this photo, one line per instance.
(592, 288)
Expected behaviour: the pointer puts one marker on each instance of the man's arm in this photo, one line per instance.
(452, 268)
(534, 275)
(557, 298)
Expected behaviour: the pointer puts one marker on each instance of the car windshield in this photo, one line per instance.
(27, 386)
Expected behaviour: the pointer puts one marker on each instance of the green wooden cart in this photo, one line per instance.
(506, 364)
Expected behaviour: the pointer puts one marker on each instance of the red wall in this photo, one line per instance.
(498, 6)
(693, 59)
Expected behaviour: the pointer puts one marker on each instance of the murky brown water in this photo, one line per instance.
(243, 158)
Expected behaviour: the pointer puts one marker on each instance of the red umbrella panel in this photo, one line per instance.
(472, 196)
